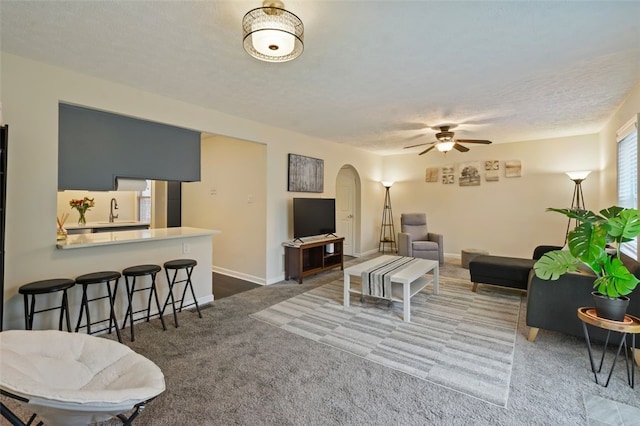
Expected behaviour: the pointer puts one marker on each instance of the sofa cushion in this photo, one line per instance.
(425, 246)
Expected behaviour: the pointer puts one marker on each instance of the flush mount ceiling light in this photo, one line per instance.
(271, 33)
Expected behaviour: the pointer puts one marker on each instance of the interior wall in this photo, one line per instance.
(232, 200)
(159, 204)
(127, 205)
(335, 156)
(506, 217)
(609, 147)
(31, 93)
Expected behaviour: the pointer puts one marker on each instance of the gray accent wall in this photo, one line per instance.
(95, 147)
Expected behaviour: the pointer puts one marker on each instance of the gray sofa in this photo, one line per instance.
(553, 305)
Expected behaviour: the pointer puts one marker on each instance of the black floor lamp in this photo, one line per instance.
(387, 230)
(577, 202)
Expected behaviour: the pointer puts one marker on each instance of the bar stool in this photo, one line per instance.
(44, 287)
(176, 266)
(99, 278)
(140, 271)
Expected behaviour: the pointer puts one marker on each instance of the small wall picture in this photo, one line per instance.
(306, 174)
(492, 176)
(431, 174)
(512, 168)
(469, 174)
(491, 165)
(447, 175)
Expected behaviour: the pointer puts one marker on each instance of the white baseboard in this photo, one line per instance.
(366, 253)
(204, 299)
(239, 275)
(277, 279)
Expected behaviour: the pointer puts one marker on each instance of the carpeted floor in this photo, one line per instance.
(229, 369)
(458, 339)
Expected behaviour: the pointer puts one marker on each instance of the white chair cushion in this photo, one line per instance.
(76, 372)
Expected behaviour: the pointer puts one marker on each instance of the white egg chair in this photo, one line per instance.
(74, 378)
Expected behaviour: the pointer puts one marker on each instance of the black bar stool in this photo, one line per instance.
(99, 278)
(44, 287)
(140, 271)
(176, 266)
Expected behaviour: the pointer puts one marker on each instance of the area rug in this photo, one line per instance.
(458, 339)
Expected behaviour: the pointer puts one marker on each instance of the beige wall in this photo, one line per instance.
(608, 146)
(231, 197)
(31, 92)
(506, 217)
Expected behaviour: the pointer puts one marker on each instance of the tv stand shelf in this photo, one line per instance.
(310, 258)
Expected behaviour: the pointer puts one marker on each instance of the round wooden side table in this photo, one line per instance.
(629, 326)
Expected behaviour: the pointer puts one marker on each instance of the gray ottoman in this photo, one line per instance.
(468, 254)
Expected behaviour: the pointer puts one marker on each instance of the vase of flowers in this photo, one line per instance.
(82, 205)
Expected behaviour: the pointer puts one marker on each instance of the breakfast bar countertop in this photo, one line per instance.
(136, 236)
(114, 224)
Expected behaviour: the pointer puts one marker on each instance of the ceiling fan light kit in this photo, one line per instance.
(272, 34)
(445, 141)
(445, 146)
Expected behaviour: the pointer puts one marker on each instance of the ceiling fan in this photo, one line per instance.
(445, 142)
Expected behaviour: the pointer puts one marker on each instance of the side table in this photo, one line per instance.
(630, 326)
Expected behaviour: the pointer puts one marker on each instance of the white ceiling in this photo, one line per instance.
(374, 74)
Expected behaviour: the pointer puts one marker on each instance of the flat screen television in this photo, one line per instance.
(313, 216)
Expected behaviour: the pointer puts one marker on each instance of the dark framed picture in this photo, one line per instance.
(306, 174)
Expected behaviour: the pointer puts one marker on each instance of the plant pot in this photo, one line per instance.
(610, 308)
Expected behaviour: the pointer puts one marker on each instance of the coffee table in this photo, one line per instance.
(410, 280)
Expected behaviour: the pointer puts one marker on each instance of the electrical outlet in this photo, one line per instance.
(250, 198)
(186, 248)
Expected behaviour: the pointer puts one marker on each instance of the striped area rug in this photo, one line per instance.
(457, 339)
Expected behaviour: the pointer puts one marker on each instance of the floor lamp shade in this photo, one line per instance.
(577, 201)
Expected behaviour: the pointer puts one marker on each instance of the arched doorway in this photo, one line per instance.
(348, 209)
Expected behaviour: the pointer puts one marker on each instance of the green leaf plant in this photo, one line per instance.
(592, 243)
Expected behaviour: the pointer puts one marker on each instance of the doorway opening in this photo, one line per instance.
(348, 209)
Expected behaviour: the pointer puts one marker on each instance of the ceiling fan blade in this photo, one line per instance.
(421, 135)
(483, 141)
(427, 150)
(420, 144)
(460, 147)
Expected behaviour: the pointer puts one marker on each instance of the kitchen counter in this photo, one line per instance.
(79, 241)
(74, 228)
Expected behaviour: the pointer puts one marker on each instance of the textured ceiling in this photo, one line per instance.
(374, 74)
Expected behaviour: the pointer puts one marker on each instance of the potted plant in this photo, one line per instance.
(595, 242)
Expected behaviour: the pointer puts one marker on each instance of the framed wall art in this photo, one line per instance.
(447, 175)
(431, 174)
(512, 168)
(469, 174)
(492, 170)
(306, 174)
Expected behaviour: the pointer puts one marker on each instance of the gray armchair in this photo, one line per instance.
(415, 240)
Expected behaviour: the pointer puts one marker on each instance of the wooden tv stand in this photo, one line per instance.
(310, 258)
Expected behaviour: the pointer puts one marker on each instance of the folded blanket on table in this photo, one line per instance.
(377, 280)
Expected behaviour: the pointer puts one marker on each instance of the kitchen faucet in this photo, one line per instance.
(114, 206)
